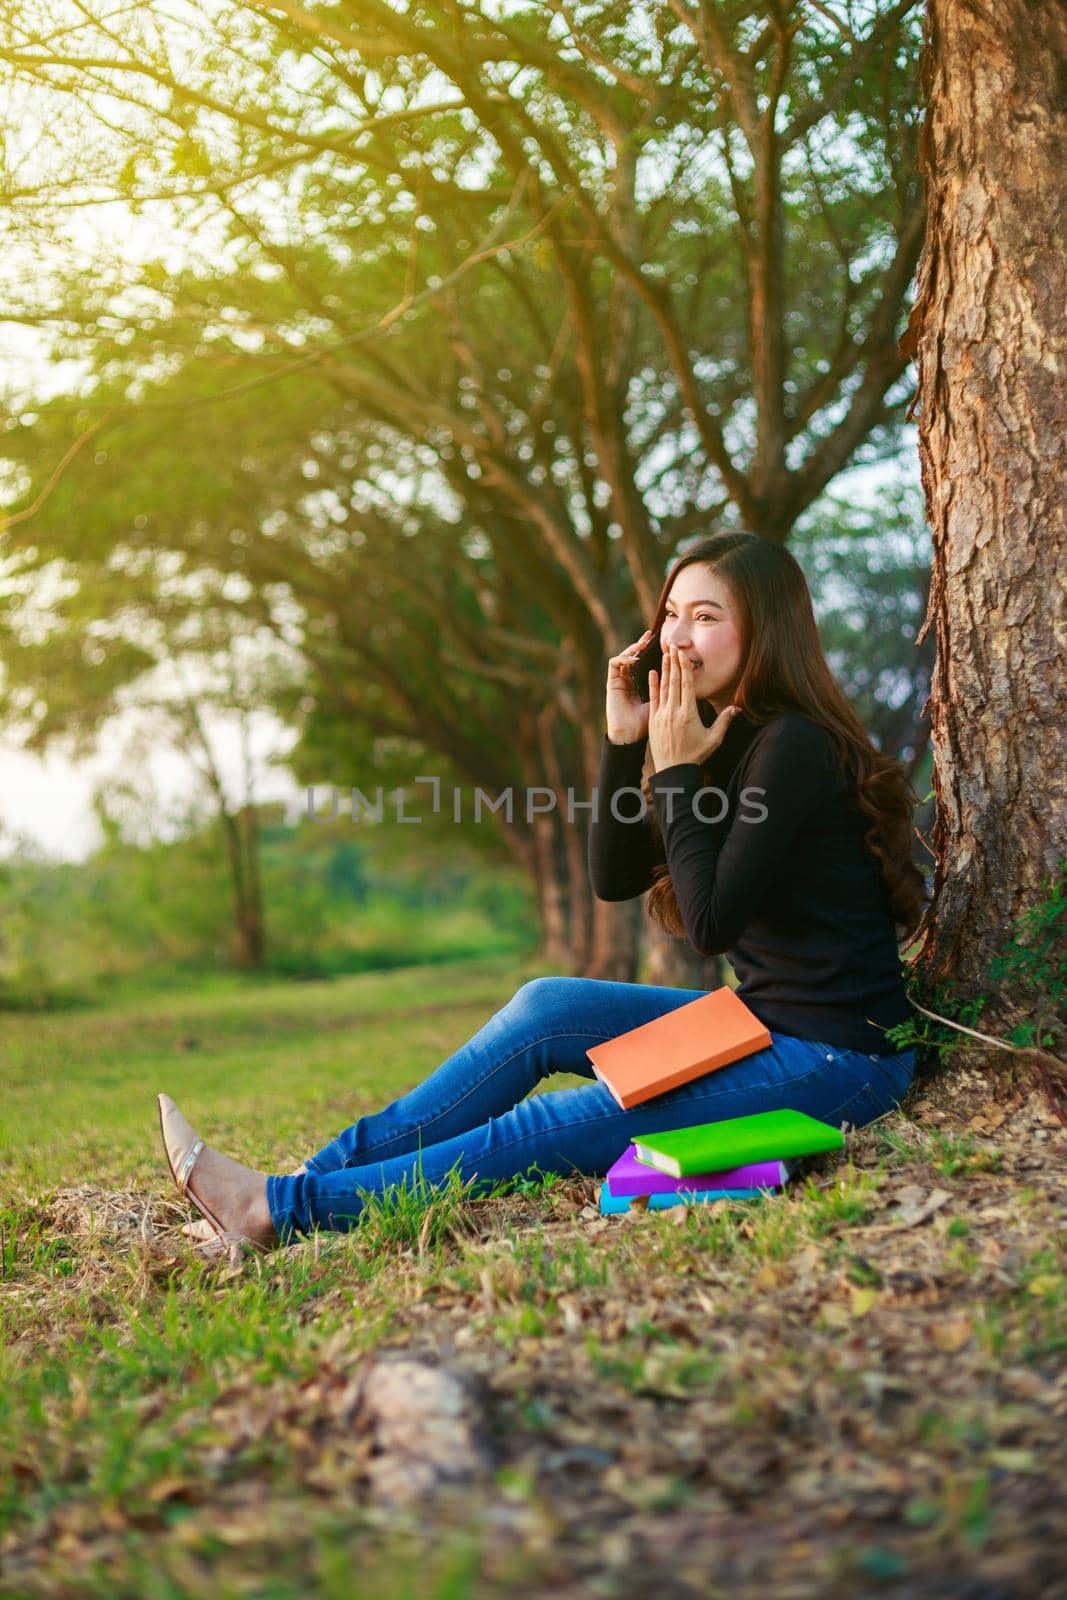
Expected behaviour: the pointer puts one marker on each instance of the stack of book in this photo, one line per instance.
(736, 1159)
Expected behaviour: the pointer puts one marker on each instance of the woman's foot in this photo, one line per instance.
(201, 1231)
(232, 1198)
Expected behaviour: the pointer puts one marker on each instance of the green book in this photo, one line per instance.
(713, 1146)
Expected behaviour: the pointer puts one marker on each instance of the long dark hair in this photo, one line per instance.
(784, 669)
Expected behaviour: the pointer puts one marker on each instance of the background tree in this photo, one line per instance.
(991, 336)
(583, 281)
(160, 666)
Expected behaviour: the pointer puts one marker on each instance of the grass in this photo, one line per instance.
(272, 1071)
(719, 1389)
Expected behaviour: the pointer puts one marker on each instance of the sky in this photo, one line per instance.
(46, 802)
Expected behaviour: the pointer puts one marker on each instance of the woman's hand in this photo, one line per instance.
(675, 731)
(627, 712)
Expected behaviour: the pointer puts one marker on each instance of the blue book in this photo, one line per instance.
(612, 1204)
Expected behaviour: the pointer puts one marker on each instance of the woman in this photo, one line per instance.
(797, 866)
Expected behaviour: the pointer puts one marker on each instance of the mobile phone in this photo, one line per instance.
(650, 660)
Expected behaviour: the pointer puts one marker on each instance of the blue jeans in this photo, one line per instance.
(471, 1113)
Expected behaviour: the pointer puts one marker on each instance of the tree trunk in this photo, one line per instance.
(251, 931)
(616, 929)
(555, 945)
(248, 944)
(674, 964)
(576, 892)
(580, 905)
(990, 330)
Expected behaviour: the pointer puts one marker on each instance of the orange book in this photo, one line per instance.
(673, 1049)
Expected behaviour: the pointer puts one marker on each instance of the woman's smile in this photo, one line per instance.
(700, 606)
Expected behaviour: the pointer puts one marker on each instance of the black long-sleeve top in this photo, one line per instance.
(781, 882)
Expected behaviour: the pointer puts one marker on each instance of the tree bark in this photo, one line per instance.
(572, 844)
(990, 331)
(240, 832)
(555, 945)
(251, 929)
(674, 963)
(616, 929)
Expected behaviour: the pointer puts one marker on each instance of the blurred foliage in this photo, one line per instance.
(436, 330)
(155, 914)
(868, 566)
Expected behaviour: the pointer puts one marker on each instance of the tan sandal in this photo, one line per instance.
(199, 1231)
(182, 1148)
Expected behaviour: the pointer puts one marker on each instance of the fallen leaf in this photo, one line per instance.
(571, 1306)
(79, 1395)
(987, 1118)
(168, 1489)
(952, 1333)
(769, 1276)
(1046, 1284)
(862, 1300)
(914, 1205)
(1013, 1460)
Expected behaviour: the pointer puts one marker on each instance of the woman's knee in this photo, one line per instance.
(546, 996)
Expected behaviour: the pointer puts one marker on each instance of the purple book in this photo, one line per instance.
(629, 1177)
